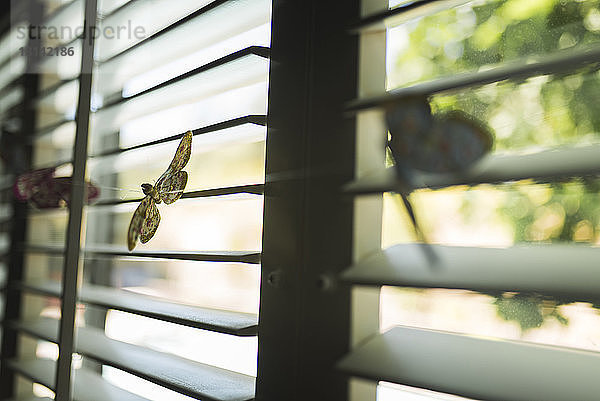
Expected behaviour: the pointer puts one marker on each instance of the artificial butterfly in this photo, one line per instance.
(43, 190)
(168, 188)
(442, 144)
(446, 143)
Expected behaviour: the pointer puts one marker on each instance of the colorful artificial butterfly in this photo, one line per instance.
(168, 188)
(43, 190)
(446, 143)
(441, 144)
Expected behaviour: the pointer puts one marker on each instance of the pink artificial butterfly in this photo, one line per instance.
(44, 191)
(441, 144)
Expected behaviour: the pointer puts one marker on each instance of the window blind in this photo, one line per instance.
(464, 364)
(157, 323)
(199, 66)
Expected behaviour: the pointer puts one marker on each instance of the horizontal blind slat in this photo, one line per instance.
(51, 127)
(254, 189)
(106, 8)
(557, 270)
(403, 13)
(211, 31)
(251, 189)
(109, 49)
(260, 51)
(57, 106)
(51, 90)
(227, 322)
(235, 323)
(11, 103)
(54, 12)
(236, 122)
(88, 386)
(552, 164)
(258, 120)
(190, 378)
(487, 369)
(202, 256)
(561, 61)
(237, 73)
(68, 15)
(18, 81)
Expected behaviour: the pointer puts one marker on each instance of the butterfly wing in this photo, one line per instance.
(467, 140)
(442, 144)
(409, 122)
(63, 188)
(27, 184)
(150, 223)
(137, 221)
(171, 184)
(93, 192)
(181, 158)
(46, 196)
(172, 187)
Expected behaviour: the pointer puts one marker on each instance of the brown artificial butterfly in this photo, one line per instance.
(168, 188)
(442, 144)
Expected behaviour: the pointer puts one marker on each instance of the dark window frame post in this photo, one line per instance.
(18, 230)
(307, 238)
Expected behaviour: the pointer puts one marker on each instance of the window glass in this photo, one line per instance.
(481, 34)
(524, 116)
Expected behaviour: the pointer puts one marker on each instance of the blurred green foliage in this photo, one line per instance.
(540, 111)
(529, 311)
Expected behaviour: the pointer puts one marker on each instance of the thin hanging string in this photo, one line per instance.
(126, 190)
(123, 191)
(110, 188)
(137, 190)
